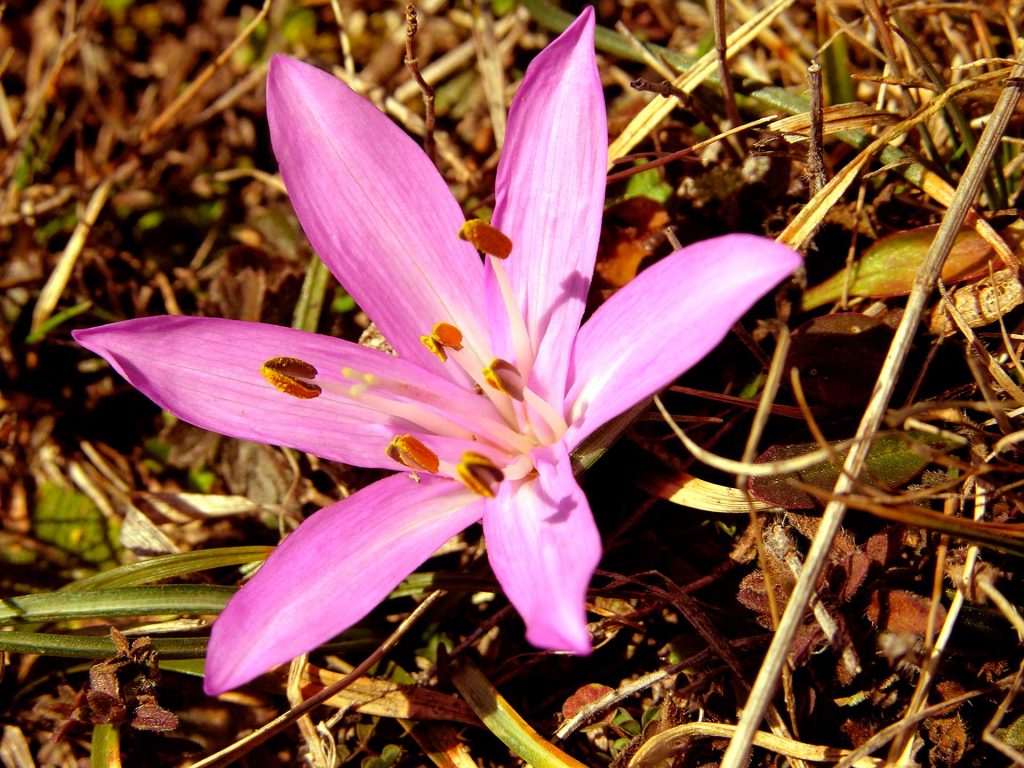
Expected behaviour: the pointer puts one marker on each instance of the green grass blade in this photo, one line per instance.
(80, 647)
(165, 599)
(170, 566)
(505, 723)
(105, 750)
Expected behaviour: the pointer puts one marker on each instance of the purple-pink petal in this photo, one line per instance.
(543, 546)
(375, 209)
(334, 569)
(206, 371)
(665, 321)
(550, 195)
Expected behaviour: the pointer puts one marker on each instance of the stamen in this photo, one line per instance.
(443, 335)
(480, 474)
(411, 453)
(485, 238)
(287, 374)
(521, 344)
(505, 377)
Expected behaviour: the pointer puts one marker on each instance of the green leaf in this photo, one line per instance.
(69, 520)
(894, 459)
(649, 184)
(201, 480)
(650, 715)
(888, 267)
(625, 722)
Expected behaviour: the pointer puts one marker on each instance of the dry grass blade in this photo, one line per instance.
(835, 118)
(245, 745)
(659, 108)
(58, 280)
(695, 493)
(171, 112)
(672, 741)
(768, 676)
(805, 223)
(747, 468)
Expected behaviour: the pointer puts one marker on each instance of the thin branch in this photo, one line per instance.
(412, 26)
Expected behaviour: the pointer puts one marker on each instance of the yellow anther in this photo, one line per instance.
(443, 335)
(479, 474)
(505, 378)
(434, 347)
(411, 453)
(287, 374)
(486, 238)
(447, 335)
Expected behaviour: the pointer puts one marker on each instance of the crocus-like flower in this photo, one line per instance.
(494, 383)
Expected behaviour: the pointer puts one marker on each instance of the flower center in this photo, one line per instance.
(497, 410)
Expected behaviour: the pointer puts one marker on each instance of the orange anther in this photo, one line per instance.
(486, 238)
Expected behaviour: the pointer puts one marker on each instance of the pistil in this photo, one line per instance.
(434, 414)
(518, 333)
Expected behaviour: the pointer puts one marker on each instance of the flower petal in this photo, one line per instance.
(550, 193)
(665, 321)
(375, 209)
(206, 371)
(543, 547)
(332, 571)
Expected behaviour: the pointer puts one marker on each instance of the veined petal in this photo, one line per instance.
(206, 371)
(550, 195)
(332, 571)
(375, 209)
(543, 546)
(665, 321)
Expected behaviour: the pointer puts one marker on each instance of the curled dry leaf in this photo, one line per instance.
(979, 303)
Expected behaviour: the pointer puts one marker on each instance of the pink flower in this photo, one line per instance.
(495, 381)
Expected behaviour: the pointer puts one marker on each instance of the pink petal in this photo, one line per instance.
(206, 371)
(550, 193)
(665, 321)
(332, 571)
(543, 546)
(375, 209)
